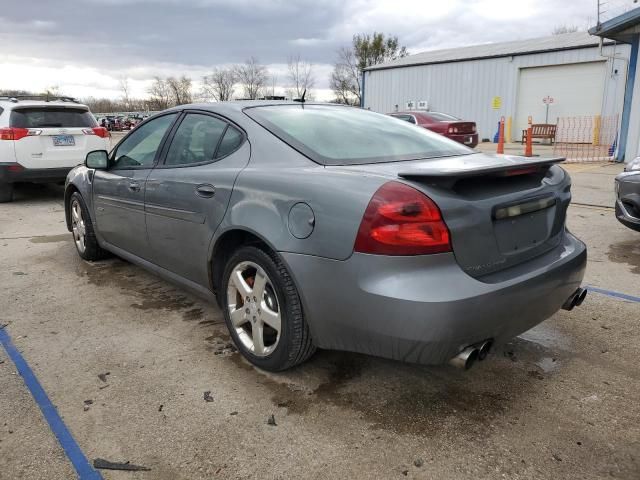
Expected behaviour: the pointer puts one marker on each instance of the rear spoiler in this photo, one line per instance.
(472, 166)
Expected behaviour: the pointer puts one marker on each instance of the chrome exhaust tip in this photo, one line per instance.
(575, 299)
(485, 348)
(466, 358)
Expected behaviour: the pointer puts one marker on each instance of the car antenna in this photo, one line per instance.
(301, 99)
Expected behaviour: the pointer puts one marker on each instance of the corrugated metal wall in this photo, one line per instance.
(466, 89)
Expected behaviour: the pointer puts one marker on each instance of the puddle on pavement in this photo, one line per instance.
(51, 238)
(393, 396)
(547, 337)
(153, 293)
(626, 252)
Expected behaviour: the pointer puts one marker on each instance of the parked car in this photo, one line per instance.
(317, 225)
(41, 140)
(442, 123)
(628, 195)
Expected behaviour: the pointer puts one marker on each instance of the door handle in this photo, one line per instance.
(134, 186)
(205, 191)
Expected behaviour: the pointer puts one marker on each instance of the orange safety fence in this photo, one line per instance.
(586, 139)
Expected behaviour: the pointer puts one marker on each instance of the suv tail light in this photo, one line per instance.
(99, 131)
(400, 220)
(13, 133)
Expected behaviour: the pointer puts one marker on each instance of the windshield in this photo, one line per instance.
(336, 135)
(42, 117)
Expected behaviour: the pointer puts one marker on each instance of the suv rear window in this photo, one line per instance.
(43, 117)
(335, 135)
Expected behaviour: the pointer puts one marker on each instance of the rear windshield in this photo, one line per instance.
(43, 117)
(442, 116)
(335, 135)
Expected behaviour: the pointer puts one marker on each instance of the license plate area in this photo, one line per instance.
(524, 232)
(63, 141)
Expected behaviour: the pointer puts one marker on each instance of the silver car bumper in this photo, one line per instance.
(425, 309)
(628, 199)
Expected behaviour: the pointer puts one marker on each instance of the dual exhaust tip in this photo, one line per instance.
(575, 299)
(466, 358)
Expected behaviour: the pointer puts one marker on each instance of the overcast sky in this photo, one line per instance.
(85, 46)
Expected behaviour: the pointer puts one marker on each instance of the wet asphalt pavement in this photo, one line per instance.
(126, 358)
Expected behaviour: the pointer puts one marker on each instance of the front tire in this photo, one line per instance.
(84, 236)
(6, 192)
(263, 311)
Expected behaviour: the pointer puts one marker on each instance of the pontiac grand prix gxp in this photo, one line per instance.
(317, 225)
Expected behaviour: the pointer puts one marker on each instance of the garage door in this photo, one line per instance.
(576, 89)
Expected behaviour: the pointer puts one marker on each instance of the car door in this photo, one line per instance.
(118, 192)
(188, 193)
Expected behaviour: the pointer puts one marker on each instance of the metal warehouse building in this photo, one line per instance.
(568, 72)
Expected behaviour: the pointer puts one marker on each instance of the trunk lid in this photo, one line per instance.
(500, 210)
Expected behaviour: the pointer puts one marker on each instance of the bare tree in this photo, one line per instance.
(300, 76)
(562, 29)
(366, 50)
(220, 84)
(345, 78)
(160, 94)
(180, 89)
(252, 76)
(124, 86)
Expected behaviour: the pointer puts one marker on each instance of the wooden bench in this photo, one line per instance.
(541, 130)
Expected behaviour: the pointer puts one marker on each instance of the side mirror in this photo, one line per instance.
(98, 159)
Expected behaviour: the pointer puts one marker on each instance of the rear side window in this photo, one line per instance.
(406, 118)
(333, 135)
(196, 140)
(44, 117)
(231, 141)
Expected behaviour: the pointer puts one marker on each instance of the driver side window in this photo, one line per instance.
(140, 147)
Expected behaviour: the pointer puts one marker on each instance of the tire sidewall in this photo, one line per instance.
(280, 356)
(90, 242)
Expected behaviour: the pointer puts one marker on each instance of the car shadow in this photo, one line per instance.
(37, 192)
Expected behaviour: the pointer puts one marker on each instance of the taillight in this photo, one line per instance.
(13, 133)
(400, 220)
(99, 131)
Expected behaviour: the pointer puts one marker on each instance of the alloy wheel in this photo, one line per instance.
(78, 226)
(253, 308)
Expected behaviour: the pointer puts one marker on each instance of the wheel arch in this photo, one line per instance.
(225, 244)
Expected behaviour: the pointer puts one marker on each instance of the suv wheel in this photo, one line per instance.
(83, 235)
(6, 192)
(263, 312)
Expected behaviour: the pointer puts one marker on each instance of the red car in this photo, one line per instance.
(444, 124)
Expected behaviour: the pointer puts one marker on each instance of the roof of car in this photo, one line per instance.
(11, 102)
(239, 105)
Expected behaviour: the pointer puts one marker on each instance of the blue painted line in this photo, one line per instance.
(611, 293)
(82, 466)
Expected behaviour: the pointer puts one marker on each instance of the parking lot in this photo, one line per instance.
(127, 360)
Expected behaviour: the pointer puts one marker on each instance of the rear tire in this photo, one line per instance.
(84, 236)
(6, 192)
(258, 293)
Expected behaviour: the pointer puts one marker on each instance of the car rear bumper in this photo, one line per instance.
(425, 309)
(15, 173)
(468, 139)
(628, 199)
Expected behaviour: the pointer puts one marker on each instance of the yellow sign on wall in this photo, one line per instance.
(496, 103)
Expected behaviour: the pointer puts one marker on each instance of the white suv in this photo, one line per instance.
(42, 139)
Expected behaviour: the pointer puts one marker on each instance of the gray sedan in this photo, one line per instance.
(628, 195)
(317, 225)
